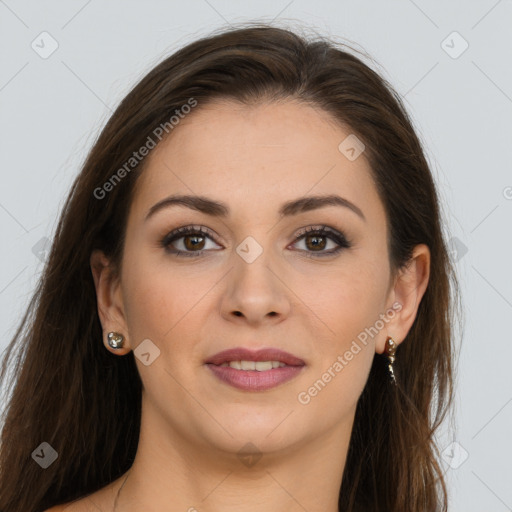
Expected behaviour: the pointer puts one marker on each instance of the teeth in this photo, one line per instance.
(259, 366)
(248, 365)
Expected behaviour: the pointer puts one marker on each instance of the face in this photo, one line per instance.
(253, 278)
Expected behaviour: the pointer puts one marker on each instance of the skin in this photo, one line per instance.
(253, 158)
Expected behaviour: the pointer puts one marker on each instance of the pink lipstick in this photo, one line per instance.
(255, 370)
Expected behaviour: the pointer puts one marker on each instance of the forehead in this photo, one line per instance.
(258, 156)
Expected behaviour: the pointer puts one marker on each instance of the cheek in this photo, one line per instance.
(349, 304)
(162, 303)
(343, 357)
(345, 300)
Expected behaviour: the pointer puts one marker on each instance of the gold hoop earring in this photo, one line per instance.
(390, 352)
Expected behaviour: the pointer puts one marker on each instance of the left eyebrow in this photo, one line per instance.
(219, 209)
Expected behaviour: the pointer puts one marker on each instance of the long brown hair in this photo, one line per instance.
(85, 402)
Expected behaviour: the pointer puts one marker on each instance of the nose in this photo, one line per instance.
(255, 293)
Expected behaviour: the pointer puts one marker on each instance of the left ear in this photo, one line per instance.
(410, 285)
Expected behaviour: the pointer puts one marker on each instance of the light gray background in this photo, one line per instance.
(53, 108)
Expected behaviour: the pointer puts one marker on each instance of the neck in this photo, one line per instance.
(293, 479)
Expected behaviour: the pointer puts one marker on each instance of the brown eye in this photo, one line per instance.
(316, 240)
(187, 241)
(194, 242)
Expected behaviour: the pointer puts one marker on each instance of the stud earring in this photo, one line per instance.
(115, 340)
(390, 352)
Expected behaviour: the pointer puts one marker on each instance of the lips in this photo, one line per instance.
(265, 354)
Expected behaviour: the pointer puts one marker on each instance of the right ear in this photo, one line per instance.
(109, 299)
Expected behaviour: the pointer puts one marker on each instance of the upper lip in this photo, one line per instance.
(264, 354)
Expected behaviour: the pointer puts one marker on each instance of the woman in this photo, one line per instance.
(248, 300)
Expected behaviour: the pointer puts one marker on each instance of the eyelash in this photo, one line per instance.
(322, 231)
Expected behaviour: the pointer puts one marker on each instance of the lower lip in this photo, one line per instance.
(253, 380)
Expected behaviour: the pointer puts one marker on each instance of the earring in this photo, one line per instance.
(115, 340)
(390, 352)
